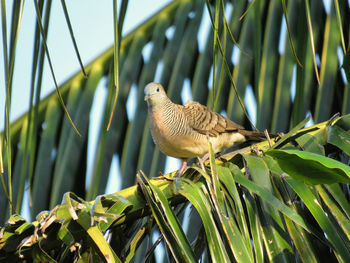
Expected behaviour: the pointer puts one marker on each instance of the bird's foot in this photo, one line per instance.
(206, 157)
(169, 178)
(221, 158)
(182, 169)
(179, 173)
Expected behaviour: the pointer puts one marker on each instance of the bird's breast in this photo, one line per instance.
(173, 137)
(176, 138)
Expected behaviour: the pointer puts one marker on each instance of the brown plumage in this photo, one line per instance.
(181, 131)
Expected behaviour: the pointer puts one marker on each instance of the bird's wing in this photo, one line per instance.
(204, 121)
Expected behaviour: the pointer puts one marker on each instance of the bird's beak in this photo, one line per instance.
(148, 96)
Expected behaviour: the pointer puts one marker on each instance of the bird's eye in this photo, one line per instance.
(157, 89)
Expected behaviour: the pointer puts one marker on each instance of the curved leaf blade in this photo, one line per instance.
(310, 167)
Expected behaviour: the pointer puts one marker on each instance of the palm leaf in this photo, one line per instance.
(41, 149)
(223, 210)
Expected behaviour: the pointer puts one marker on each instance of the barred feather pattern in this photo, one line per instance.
(183, 131)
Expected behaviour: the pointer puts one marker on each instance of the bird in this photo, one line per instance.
(182, 131)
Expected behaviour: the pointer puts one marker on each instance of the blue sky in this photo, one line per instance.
(92, 23)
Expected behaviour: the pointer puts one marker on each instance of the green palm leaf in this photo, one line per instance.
(247, 209)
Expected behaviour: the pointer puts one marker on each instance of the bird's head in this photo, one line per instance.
(155, 94)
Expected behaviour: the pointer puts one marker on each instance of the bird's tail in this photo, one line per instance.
(255, 135)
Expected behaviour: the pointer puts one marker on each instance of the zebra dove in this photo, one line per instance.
(182, 131)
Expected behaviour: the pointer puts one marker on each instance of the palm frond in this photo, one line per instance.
(238, 201)
(269, 216)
